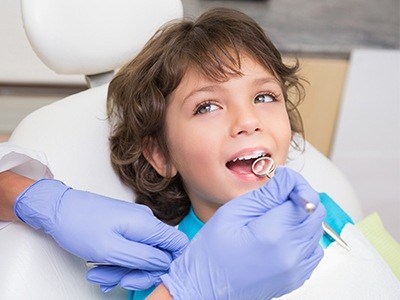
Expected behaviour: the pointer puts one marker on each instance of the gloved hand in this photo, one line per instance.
(102, 229)
(107, 277)
(257, 246)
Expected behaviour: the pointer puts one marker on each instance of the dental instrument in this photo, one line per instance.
(92, 264)
(265, 167)
(332, 234)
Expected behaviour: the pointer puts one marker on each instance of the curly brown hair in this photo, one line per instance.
(138, 95)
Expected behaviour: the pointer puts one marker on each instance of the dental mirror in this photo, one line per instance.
(263, 167)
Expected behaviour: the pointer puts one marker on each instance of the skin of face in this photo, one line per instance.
(210, 124)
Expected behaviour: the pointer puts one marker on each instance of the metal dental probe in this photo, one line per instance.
(330, 232)
(265, 166)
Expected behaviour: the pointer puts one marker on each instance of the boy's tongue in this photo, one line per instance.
(241, 166)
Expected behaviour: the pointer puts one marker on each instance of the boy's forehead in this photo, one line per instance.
(195, 78)
(196, 74)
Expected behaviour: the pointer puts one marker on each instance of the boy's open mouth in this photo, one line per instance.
(243, 164)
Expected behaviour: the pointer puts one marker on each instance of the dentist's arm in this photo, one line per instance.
(93, 227)
(11, 185)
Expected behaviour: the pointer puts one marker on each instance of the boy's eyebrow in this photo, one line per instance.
(263, 80)
(206, 88)
(213, 87)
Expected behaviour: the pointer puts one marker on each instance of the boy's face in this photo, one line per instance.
(212, 126)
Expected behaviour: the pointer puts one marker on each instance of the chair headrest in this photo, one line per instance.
(90, 36)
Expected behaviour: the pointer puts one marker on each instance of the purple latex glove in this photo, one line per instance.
(102, 229)
(257, 246)
(110, 276)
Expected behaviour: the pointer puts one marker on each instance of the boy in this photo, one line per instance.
(192, 112)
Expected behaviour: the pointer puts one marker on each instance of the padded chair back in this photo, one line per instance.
(90, 36)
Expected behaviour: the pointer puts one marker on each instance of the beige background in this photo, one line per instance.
(319, 110)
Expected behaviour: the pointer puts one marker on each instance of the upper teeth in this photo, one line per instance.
(250, 156)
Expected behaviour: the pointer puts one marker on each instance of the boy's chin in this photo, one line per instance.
(247, 189)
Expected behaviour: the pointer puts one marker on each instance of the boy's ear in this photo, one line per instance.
(157, 160)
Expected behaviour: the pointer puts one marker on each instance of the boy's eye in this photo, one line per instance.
(205, 108)
(264, 98)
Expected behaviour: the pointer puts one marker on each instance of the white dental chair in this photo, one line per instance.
(94, 38)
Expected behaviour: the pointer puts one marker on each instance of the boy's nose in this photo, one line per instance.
(245, 122)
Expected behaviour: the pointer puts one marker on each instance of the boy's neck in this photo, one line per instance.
(204, 211)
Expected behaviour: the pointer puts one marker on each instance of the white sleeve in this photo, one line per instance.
(29, 163)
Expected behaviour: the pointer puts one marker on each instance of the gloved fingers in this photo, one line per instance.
(281, 223)
(134, 255)
(306, 251)
(110, 276)
(274, 230)
(303, 193)
(308, 235)
(164, 238)
(141, 280)
(257, 202)
(313, 221)
(316, 257)
(150, 247)
(309, 264)
(309, 246)
(158, 234)
(284, 182)
(107, 288)
(107, 275)
(302, 272)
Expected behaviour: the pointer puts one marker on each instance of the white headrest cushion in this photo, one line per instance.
(91, 36)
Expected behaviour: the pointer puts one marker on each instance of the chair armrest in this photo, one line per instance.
(33, 266)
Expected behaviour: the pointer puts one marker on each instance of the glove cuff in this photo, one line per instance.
(37, 205)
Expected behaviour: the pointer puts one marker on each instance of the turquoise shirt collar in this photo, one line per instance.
(336, 218)
(190, 224)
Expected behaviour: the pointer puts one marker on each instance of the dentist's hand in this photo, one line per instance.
(102, 229)
(257, 246)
